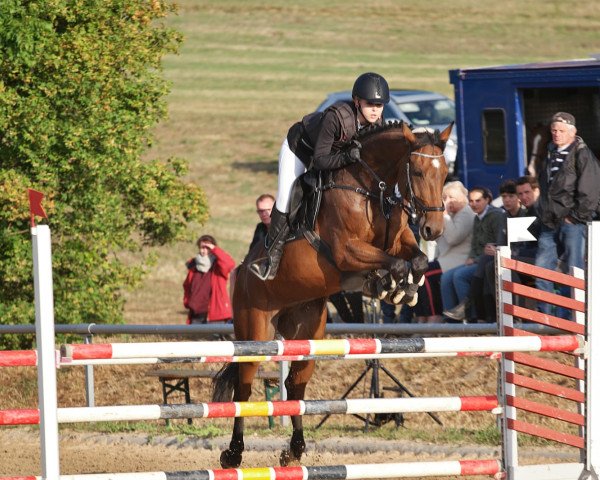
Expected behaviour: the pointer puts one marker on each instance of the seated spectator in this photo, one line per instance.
(456, 283)
(483, 292)
(452, 250)
(205, 286)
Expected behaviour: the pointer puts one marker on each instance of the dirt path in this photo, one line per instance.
(96, 452)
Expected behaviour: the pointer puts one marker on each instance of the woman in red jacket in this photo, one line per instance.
(205, 287)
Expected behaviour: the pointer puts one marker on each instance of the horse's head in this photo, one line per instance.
(426, 173)
(408, 167)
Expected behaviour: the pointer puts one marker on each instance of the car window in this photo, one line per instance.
(389, 113)
(428, 112)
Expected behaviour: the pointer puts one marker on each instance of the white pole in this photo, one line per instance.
(593, 360)
(284, 370)
(44, 329)
(510, 448)
(516, 231)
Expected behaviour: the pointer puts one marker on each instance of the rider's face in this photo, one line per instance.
(369, 112)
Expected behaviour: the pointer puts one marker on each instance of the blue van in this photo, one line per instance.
(498, 109)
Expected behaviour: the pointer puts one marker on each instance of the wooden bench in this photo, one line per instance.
(178, 380)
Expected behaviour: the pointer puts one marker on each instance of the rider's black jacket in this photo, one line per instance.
(321, 139)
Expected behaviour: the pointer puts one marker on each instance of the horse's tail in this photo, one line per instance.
(224, 382)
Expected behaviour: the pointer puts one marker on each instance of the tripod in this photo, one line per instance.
(374, 366)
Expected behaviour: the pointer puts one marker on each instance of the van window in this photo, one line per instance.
(494, 136)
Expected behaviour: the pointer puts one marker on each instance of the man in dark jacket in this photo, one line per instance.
(569, 194)
(264, 206)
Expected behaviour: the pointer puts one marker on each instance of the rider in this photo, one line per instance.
(321, 141)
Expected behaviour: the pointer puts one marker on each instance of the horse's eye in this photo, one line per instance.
(417, 173)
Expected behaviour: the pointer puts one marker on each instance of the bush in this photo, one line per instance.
(81, 88)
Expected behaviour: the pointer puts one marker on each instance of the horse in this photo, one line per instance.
(363, 219)
(538, 138)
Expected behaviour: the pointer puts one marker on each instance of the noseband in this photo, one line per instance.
(416, 207)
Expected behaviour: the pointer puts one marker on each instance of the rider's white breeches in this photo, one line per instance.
(290, 168)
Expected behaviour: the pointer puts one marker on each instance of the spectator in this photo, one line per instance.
(264, 206)
(569, 195)
(451, 251)
(456, 283)
(483, 290)
(528, 191)
(205, 287)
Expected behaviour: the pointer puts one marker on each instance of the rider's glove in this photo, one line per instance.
(354, 152)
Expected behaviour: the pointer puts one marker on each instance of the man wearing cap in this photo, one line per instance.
(569, 194)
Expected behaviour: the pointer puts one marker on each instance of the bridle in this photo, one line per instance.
(413, 205)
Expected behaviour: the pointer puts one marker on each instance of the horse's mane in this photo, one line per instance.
(375, 129)
(425, 136)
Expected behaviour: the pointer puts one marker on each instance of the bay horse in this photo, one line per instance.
(398, 167)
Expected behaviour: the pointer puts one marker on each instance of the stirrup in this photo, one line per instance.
(255, 268)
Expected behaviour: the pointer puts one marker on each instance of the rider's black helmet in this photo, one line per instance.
(371, 87)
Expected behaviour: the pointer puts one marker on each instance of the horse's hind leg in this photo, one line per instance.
(232, 457)
(306, 321)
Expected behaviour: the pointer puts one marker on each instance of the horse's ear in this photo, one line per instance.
(408, 134)
(445, 135)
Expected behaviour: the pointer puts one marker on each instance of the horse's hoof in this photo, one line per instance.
(230, 459)
(286, 459)
(381, 294)
(413, 302)
(422, 281)
(397, 297)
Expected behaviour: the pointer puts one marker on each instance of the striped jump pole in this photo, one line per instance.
(258, 409)
(28, 358)
(332, 472)
(322, 347)
(18, 358)
(67, 361)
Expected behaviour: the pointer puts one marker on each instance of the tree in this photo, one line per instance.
(81, 88)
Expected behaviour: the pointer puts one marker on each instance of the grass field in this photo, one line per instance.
(248, 69)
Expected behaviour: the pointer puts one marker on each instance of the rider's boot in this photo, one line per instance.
(278, 230)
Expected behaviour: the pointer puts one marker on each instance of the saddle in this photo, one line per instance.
(305, 202)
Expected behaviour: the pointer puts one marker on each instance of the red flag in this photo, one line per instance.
(35, 205)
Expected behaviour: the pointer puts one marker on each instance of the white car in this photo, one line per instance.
(420, 108)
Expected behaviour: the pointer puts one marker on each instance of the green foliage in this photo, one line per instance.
(81, 88)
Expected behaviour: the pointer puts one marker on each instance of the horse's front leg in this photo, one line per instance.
(393, 271)
(232, 457)
(409, 274)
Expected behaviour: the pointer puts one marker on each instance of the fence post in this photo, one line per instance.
(44, 330)
(89, 378)
(592, 416)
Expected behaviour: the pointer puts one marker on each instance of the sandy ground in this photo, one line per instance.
(113, 453)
